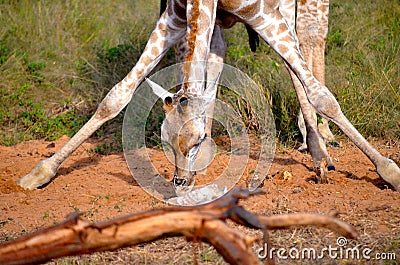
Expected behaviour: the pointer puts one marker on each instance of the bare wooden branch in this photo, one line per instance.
(199, 223)
(284, 221)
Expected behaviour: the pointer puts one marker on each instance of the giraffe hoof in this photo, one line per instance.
(333, 144)
(322, 174)
(390, 172)
(39, 176)
(321, 168)
(331, 168)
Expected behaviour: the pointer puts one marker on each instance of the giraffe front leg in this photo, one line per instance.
(167, 32)
(274, 30)
(327, 106)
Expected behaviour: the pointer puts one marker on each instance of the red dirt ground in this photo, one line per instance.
(102, 187)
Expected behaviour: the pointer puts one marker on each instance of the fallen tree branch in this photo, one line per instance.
(198, 223)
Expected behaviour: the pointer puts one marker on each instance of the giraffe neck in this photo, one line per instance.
(191, 40)
(201, 21)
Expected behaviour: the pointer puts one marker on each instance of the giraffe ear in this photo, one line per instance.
(160, 92)
(163, 94)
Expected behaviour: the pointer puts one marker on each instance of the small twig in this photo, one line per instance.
(284, 221)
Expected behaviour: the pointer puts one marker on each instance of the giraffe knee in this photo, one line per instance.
(105, 109)
(113, 103)
(327, 106)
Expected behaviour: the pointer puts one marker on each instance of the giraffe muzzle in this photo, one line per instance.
(179, 181)
(184, 184)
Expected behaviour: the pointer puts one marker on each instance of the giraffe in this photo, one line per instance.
(201, 23)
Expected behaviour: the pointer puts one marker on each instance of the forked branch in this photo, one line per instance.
(198, 223)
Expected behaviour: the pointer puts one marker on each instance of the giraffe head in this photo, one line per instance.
(184, 130)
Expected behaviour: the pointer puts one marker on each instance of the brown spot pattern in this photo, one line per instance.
(282, 28)
(250, 10)
(154, 51)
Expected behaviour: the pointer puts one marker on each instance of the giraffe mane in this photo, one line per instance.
(191, 41)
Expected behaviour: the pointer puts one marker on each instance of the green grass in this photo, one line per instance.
(59, 58)
(367, 80)
(362, 68)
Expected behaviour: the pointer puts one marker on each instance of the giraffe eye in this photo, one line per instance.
(168, 101)
(183, 101)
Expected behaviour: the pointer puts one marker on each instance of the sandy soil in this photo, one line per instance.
(102, 187)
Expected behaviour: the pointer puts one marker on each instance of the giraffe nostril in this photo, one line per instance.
(179, 181)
